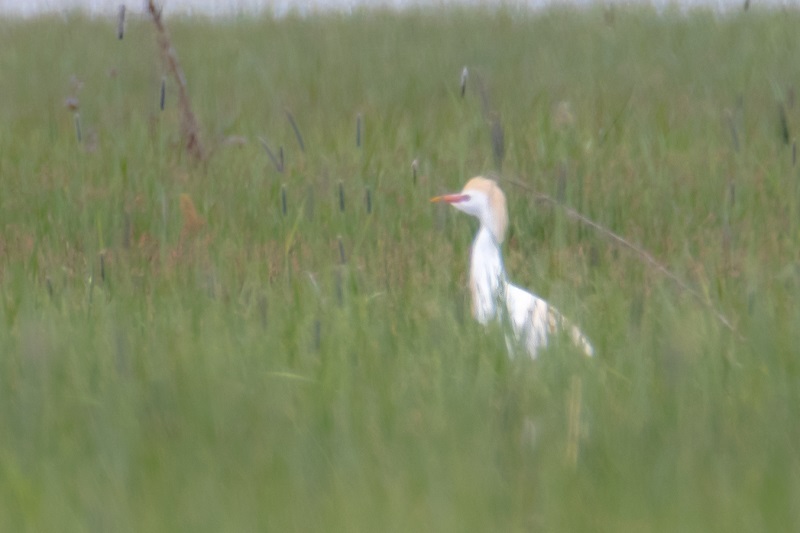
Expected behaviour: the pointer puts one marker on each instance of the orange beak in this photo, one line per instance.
(450, 198)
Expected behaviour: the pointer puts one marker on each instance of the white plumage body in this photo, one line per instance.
(533, 321)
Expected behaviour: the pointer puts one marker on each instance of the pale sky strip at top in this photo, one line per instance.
(28, 8)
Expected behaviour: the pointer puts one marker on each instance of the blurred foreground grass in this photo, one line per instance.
(234, 374)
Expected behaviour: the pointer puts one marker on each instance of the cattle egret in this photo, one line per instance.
(532, 319)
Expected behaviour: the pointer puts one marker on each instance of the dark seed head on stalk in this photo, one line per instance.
(121, 22)
(163, 96)
(785, 135)
(358, 130)
(341, 197)
(369, 201)
(283, 199)
(278, 164)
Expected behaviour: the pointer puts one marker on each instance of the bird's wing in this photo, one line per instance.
(534, 320)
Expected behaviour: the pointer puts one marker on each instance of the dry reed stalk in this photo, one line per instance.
(189, 127)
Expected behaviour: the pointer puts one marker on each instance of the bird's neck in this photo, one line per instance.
(487, 275)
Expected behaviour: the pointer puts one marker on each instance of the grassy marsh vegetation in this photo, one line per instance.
(229, 372)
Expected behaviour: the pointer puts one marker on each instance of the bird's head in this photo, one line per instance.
(483, 199)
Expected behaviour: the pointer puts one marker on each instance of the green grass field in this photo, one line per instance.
(239, 376)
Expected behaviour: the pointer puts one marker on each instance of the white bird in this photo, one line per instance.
(532, 319)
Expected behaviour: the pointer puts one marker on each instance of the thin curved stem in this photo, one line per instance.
(622, 241)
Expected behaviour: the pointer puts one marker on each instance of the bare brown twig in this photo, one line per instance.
(618, 239)
(189, 127)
